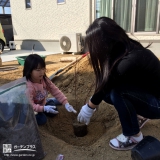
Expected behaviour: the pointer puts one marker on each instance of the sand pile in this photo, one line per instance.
(57, 135)
(77, 83)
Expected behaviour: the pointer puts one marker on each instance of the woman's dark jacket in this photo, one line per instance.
(139, 68)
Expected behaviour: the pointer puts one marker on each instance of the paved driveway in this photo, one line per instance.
(8, 55)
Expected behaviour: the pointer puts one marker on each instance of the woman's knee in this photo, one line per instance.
(114, 94)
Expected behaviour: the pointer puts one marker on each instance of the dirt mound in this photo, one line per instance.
(77, 83)
(57, 135)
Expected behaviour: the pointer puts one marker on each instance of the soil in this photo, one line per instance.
(57, 136)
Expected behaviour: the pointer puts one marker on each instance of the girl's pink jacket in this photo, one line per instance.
(38, 92)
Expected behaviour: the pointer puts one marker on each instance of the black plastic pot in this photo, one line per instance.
(147, 149)
(80, 129)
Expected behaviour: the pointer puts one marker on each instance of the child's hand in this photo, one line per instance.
(50, 109)
(69, 108)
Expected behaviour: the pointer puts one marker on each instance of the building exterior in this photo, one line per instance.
(139, 18)
(41, 22)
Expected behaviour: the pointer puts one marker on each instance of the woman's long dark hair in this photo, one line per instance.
(107, 43)
(31, 62)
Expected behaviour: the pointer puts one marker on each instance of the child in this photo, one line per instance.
(38, 86)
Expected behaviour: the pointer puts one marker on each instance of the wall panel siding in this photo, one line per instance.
(46, 20)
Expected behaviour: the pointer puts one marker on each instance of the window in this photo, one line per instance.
(5, 19)
(146, 15)
(7, 10)
(132, 15)
(28, 4)
(6, 22)
(60, 1)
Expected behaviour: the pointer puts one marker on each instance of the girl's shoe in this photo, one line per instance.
(122, 142)
(142, 122)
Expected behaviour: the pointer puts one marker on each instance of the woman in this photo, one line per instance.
(127, 76)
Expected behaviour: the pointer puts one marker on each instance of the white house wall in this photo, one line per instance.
(42, 24)
(47, 19)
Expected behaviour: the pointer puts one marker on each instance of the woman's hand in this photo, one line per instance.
(85, 114)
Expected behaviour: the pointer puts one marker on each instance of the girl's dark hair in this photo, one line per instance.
(31, 62)
(107, 43)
